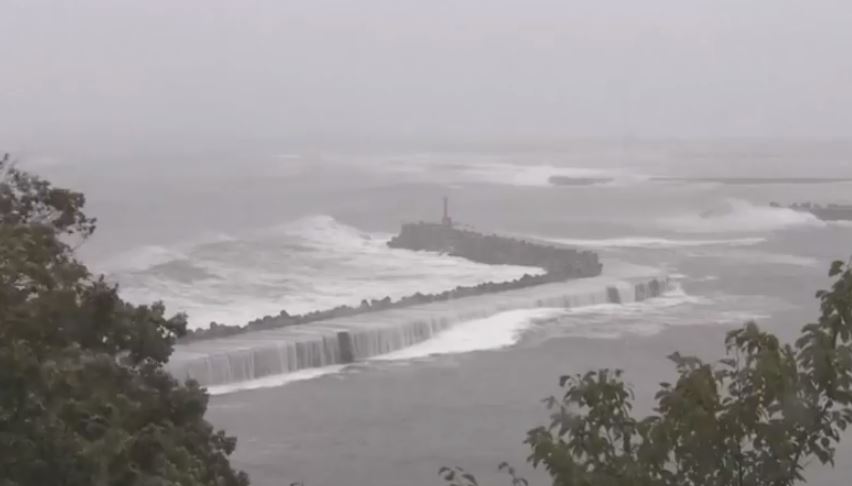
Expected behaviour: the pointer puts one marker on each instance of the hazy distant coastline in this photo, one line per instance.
(755, 180)
(745, 181)
(579, 181)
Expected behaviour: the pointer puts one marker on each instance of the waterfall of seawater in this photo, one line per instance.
(347, 339)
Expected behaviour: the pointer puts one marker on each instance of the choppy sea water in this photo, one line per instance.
(268, 239)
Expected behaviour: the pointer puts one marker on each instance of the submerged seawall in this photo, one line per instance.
(259, 354)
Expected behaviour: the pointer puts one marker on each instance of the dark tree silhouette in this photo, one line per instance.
(84, 398)
(754, 418)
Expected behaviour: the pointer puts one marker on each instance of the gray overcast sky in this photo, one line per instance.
(132, 72)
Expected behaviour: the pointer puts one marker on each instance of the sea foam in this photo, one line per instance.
(309, 264)
(258, 354)
(740, 216)
(494, 332)
(649, 242)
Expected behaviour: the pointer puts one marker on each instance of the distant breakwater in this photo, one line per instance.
(341, 340)
(559, 264)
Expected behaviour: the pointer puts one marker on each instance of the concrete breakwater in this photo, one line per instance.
(558, 262)
(258, 354)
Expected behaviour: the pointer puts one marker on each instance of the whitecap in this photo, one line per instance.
(140, 258)
(650, 242)
(309, 264)
(499, 171)
(674, 309)
(494, 332)
(740, 216)
(275, 380)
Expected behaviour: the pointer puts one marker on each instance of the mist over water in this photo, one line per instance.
(732, 257)
(739, 216)
(247, 159)
(316, 249)
(313, 263)
(316, 237)
(308, 231)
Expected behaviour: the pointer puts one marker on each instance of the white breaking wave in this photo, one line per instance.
(673, 309)
(494, 332)
(739, 216)
(499, 171)
(145, 257)
(525, 175)
(473, 323)
(650, 242)
(507, 328)
(140, 259)
(676, 296)
(310, 264)
(275, 380)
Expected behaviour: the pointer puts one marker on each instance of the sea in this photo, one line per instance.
(230, 237)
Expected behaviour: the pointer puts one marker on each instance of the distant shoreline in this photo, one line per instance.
(579, 181)
(742, 181)
(755, 180)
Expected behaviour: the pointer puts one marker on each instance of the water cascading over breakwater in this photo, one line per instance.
(259, 354)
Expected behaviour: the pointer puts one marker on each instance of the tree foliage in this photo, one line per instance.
(754, 418)
(84, 398)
